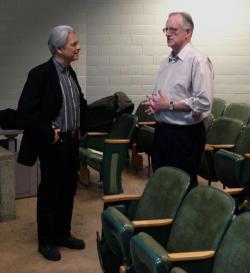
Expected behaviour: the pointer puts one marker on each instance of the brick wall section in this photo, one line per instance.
(24, 30)
(122, 44)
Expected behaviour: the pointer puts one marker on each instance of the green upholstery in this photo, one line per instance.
(142, 115)
(232, 169)
(200, 224)
(218, 108)
(143, 136)
(217, 111)
(239, 111)
(233, 254)
(223, 131)
(161, 199)
(143, 144)
(108, 153)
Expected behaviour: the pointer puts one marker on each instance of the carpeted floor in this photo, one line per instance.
(18, 242)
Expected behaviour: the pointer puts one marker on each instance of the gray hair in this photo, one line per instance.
(58, 37)
(187, 20)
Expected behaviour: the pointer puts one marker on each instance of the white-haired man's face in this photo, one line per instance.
(70, 51)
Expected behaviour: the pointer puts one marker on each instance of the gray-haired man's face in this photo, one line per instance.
(70, 51)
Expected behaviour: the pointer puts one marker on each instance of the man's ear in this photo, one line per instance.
(189, 33)
(59, 51)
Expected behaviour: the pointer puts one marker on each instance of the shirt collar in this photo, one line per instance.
(181, 55)
(62, 68)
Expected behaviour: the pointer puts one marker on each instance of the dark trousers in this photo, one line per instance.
(179, 146)
(59, 167)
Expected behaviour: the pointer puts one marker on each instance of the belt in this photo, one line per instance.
(71, 134)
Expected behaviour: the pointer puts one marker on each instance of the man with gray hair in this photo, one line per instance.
(181, 100)
(51, 110)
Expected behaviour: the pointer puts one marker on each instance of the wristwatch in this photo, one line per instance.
(171, 106)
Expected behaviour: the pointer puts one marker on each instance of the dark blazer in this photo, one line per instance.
(39, 105)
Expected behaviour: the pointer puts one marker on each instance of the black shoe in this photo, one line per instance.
(244, 206)
(71, 242)
(50, 252)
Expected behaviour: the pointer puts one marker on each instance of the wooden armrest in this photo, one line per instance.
(247, 155)
(120, 197)
(97, 133)
(233, 191)
(209, 148)
(152, 223)
(141, 123)
(188, 256)
(122, 269)
(116, 141)
(223, 146)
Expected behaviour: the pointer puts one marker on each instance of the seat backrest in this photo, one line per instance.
(239, 111)
(163, 194)
(224, 131)
(123, 127)
(234, 252)
(243, 143)
(231, 168)
(218, 107)
(201, 220)
(142, 115)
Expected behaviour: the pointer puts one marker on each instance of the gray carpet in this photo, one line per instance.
(18, 242)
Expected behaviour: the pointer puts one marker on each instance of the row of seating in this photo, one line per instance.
(168, 226)
(226, 155)
(237, 110)
(107, 152)
(144, 137)
(232, 254)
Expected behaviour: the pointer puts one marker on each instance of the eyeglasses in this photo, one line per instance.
(170, 30)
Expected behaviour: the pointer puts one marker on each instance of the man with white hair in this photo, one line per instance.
(51, 110)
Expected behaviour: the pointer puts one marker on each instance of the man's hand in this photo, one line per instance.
(156, 103)
(57, 136)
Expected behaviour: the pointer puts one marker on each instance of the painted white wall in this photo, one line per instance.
(122, 43)
(24, 30)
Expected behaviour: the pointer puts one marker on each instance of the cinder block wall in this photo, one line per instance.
(24, 30)
(122, 43)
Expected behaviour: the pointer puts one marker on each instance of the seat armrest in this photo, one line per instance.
(211, 147)
(97, 133)
(120, 197)
(188, 256)
(122, 269)
(223, 146)
(233, 191)
(94, 140)
(142, 123)
(116, 141)
(152, 223)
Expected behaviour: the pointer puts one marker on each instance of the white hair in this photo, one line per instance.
(58, 37)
